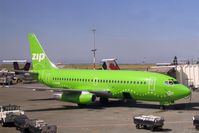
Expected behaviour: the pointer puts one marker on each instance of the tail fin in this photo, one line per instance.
(27, 66)
(39, 58)
(16, 65)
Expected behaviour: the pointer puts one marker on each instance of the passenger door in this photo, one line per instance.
(151, 84)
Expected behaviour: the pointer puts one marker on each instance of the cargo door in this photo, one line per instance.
(48, 78)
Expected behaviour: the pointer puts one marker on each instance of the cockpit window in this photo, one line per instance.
(171, 82)
(175, 82)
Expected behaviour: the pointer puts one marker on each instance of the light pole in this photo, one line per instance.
(94, 49)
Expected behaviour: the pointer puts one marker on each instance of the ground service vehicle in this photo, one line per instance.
(149, 122)
(21, 123)
(7, 80)
(39, 126)
(8, 113)
(196, 121)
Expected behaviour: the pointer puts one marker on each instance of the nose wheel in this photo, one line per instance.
(162, 107)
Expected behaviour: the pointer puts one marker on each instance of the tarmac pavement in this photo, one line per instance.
(116, 117)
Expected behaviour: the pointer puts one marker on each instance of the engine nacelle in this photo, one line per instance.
(79, 98)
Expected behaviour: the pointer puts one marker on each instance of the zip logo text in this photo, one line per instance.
(38, 56)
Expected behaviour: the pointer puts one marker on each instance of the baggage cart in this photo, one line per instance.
(196, 121)
(21, 123)
(39, 126)
(148, 122)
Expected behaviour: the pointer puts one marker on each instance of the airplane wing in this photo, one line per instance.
(99, 93)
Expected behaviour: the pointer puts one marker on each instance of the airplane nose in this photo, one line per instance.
(186, 91)
(182, 92)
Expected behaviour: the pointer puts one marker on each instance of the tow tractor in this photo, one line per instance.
(8, 113)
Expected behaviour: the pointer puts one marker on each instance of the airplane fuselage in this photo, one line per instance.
(140, 85)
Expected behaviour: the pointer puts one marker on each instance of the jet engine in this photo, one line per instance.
(79, 98)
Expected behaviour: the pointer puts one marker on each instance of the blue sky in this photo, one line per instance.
(130, 30)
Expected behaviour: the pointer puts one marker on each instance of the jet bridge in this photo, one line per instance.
(188, 75)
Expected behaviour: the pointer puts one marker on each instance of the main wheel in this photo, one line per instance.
(162, 107)
(138, 126)
(152, 128)
(197, 127)
(3, 124)
(160, 128)
(103, 100)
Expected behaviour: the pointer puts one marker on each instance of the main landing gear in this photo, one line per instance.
(162, 107)
(103, 100)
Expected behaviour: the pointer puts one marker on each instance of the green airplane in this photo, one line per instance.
(83, 86)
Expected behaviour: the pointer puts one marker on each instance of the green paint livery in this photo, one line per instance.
(82, 86)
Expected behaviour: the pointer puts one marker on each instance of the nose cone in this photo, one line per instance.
(185, 91)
